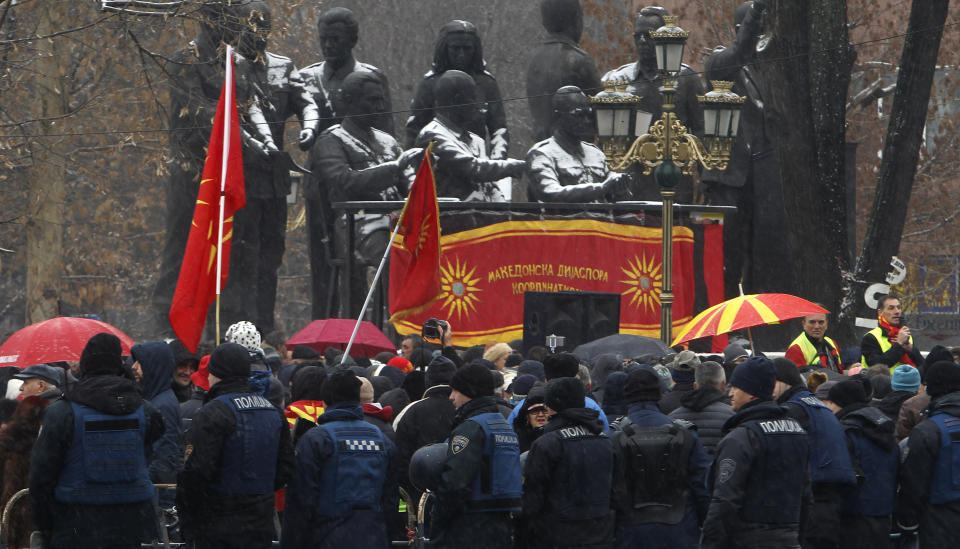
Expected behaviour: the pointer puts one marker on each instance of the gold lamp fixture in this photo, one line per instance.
(666, 149)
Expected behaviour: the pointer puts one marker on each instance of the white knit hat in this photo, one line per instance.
(246, 334)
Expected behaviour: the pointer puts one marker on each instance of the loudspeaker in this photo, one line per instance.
(580, 317)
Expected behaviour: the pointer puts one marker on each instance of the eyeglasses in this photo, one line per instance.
(539, 411)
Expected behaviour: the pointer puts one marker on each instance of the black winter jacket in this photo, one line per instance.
(71, 525)
(423, 422)
(708, 409)
(549, 520)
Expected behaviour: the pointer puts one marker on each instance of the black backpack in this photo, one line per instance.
(655, 462)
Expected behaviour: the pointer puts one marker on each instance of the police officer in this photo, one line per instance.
(876, 459)
(480, 484)
(568, 475)
(89, 482)
(660, 488)
(238, 454)
(831, 472)
(929, 496)
(760, 479)
(343, 482)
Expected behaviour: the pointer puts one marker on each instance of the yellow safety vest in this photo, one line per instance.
(885, 345)
(810, 353)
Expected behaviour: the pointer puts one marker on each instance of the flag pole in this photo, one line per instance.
(383, 261)
(227, 119)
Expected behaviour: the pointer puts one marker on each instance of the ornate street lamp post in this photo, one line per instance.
(668, 151)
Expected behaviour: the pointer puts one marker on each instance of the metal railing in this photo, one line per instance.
(164, 541)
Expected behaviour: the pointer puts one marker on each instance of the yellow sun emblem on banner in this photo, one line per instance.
(459, 289)
(645, 281)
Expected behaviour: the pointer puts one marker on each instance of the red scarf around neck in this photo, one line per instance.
(892, 332)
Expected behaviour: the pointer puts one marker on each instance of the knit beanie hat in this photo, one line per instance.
(563, 393)
(246, 334)
(379, 385)
(642, 385)
(787, 372)
(473, 381)
(847, 392)
(942, 377)
(532, 367)
(230, 360)
(401, 364)
(756, 376)
(823, 391)
(905, 378)
(439, 372)
(684, 366)
(342, 386)
(366, 391)
(101, 356)
(304, 352)
(733, 352)
(561, 365)
(522, 384)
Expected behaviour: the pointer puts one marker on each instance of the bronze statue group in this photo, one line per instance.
(346, 114)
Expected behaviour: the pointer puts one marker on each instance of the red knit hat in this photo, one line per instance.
(401, 364)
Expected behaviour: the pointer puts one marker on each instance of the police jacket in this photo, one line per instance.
(568, 481)
(760, 480)
(207, 493)
(466, 462)
(344, 484)
(876, 459)
(124, 523)
(924, 497)
(829, 460)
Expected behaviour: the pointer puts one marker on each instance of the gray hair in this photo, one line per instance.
(709, 374)
(584, 376)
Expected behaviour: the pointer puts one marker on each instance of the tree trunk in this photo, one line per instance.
(47, 188)
(901, 149)
(805, 72)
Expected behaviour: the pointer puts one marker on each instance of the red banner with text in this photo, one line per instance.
(485, 272)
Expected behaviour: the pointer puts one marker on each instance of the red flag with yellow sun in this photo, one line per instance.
(415, 263)
(222, 172)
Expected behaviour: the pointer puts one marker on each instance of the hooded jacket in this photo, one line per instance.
(707, 408)
(890, 404)
(166, 455)
(69, 525)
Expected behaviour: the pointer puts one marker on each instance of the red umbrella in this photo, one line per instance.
(335, 332)
(61, 338)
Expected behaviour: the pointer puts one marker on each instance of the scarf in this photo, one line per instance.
(892, 332)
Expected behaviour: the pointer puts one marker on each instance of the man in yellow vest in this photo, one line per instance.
(813, 348)
(890, 342)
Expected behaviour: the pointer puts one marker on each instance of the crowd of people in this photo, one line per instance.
(484, 446)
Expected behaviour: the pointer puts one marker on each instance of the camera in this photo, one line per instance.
(433, 330)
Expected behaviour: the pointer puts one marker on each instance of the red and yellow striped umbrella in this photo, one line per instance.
(746, 311)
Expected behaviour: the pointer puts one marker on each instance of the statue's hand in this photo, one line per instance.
(515, 168)
(307, 137)
(410, 157)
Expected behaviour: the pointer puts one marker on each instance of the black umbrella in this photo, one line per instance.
(625, 345)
